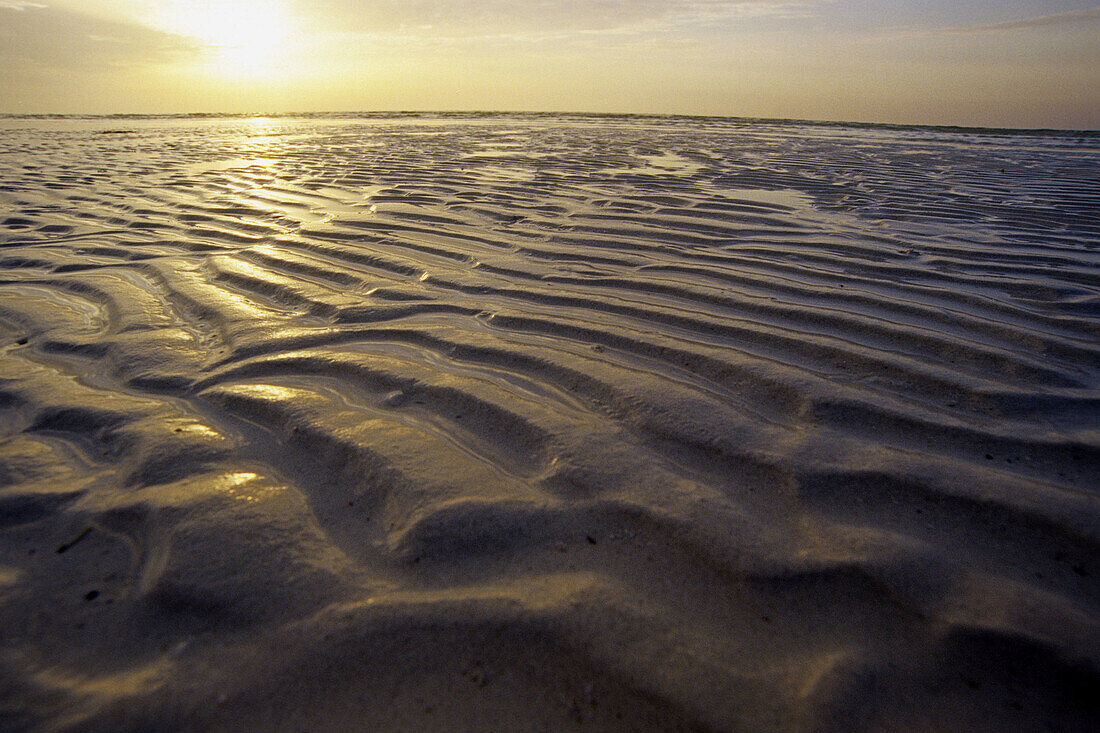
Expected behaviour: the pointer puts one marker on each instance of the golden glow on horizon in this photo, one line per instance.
(246, 36)
(992, 63)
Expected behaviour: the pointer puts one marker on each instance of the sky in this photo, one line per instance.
(1000, 63)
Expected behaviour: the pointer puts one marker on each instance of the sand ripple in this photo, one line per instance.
(547, 422)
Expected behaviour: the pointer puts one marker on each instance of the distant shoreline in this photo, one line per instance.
(411, 114)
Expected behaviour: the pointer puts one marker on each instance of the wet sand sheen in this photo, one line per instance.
(544, 423)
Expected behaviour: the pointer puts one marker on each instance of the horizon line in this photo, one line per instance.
(545, 113)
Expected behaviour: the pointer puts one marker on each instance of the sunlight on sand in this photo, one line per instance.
(547, 422)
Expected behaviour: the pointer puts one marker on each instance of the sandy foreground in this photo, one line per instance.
(547, 423)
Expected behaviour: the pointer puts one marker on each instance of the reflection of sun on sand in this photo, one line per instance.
(246, 35)
(526, 423)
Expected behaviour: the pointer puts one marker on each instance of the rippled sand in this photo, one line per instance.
(539, 423)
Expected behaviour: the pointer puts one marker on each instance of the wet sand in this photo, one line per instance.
(547, 423)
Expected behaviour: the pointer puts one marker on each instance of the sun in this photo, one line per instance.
(245, 37)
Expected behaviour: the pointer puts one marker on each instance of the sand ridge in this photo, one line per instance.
(543, 423)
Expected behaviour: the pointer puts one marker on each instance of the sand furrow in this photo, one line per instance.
(592, 422)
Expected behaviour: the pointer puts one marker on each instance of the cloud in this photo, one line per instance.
(45, 37)
(1067, 19)
(464, 18)
(1072, 17)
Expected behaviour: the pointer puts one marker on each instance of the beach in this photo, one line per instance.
(547, 422)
